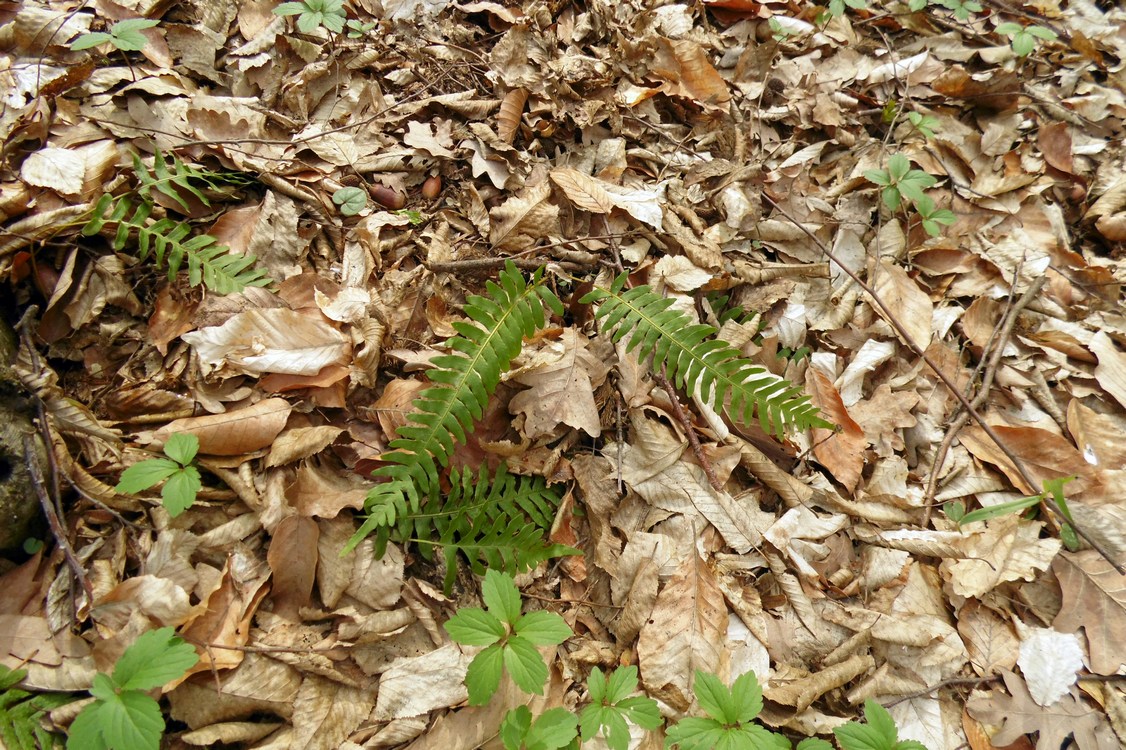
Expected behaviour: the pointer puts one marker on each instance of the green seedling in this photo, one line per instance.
(612, 704)
(1025, 38)
(961, 8)
(900, 182)
(552, 730)
(933, 218)
(878, 734)
(837, 7)
(925, 124)
(312, 14)
(122, 716)
(350, 200)
(730, 721)
(509, 637)
(359, 29)
(181, 479)
(125, 35)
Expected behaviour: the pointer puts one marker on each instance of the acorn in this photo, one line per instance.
(387, 197)
(432, 187)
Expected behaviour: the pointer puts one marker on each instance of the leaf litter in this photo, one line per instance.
(718, 157)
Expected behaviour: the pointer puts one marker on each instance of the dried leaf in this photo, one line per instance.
(272, 340)
(1094, 598)
(232, 433)
(841, 451)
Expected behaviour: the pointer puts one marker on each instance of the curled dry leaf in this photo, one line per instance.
(841, 452)
(508, 119)
(271, 340)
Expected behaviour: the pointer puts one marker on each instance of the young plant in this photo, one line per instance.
(612, 704)
(509, 637)
(181, 479)
(925, 124)
(900, 182)
(122, 716)
(933, 218)
(956, 511)
(125, 35)
(312, 14)
(350, 200)
(553, 729)
(878, 734)
(962, 8)
(837, 7)
(730, 719)
(1025, 38)
(22, 713)
(358, 29)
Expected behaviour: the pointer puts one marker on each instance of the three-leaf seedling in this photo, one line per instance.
(124, 35)
(181, 479)
(901, 183)
(312, 14)
(1025, 38)
(122, 716)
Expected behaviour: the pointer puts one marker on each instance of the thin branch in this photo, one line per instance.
(689, 430)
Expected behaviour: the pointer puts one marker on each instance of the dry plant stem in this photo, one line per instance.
(694, 441)
(952, 682)
(949, 383)
(479, 265)
(1000, 341)
(57, 530)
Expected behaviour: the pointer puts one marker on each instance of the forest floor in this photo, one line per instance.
(916, 216)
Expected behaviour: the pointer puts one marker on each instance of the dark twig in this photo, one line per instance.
(689, 430)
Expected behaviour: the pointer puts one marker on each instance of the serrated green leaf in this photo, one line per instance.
(144, 474)
(553, 729)
(182, 447)
(898, 166)
(693, 733)
(132, 721)
(622, 682)
(525, 665)
(814, 743)
(501, 596)
(596, 687)
(877, 176)
(641, 710)
(179, 492)
(86, 41)
(714, 698)
(483, 675)
(514, 727)
(154, 659)
(289, 9)
(475, 627)
(543, 628)
(746, 697)
(85, 732)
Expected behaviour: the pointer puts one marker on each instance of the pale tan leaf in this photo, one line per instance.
(60, 169)
(299, 443)
(271, 340)
(841, 451)
(989, 639)
(561, 391)
(231, 732)
(524, 219)
(685, 632)
(1007, 549)
(684, 66)
(586, 192)
(325, 713)
(1094, 598)
(508, 118)
(292, 557)
(258, 684)
(226, 612)
(378, 583)
(1111, 372)
(321, 490)
(416, 685)
(1044, 454)
(232, 433)
(908, 304)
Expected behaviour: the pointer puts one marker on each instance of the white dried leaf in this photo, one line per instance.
(271, 340)
(58, 169)
(1050, 662)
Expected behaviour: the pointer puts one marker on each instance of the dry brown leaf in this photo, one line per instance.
(524, 219)
(325, 712)
(989, 639)
(232, 433)
(300, 442)
(685, 632)
(1094, 598)
(840, 451)
(511, 109)
(907, 303)
(586, 192)
(274, 340)
(1009, 548)
(226, 613)
(1111, 372)
(1044, 454)
(684, 67)
(561, 391)
(293, 559)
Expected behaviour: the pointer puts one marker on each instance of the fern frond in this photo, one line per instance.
(169, 178)
(170, 243)
(464, 381)
(21, 714)
(693, 358)
(499, 521)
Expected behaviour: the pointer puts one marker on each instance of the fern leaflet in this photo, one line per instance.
(498, 522)
(208, 262)
(169, 180)
(464, 380)
(695, 360)
(21, 713)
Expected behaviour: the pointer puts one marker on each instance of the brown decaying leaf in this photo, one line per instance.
(907, 303)
(232, 433)
(840, 451)
(508, 118)
(1044, 454)
(292, 557)
(1094, 598)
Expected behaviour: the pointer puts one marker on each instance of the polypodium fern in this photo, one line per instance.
(695, 360)
(21, 713)
(464, 381)
(169, 240)
(497, 522)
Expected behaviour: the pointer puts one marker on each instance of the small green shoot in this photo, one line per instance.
(916, 5)
(878, 734)
(312, 14)
(123, 716)
(1053, 487)
(1025, 38)
(1068, 535)
(509, 637)
(183, 481)
(925, 124)
(962, 8)
(899, 181)
(837, 7)
(351, 200)
(955, 510)
(730, 718)
(777, 31)
(553, 729)
(359, 29)
(612, 704)
(414, 217)
(933, 218)
(125, 35)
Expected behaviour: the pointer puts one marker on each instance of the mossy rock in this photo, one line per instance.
(19, 501)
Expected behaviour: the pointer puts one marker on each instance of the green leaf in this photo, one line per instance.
(1041, 33)
(746, 697)
(85, 732)
(154, 659)
(1023, 44)
(86, 41)
(501, 596)
(898, 166)
(475, 627)
(877, 176)
(182, 447)
(715, 698)
(1009, 28)
(126, 35)
(814, 743)
(483, 675)
(351, 200)
(144, 474)
(878, 734)
(290, 9)
(132, 721)
(1001, 509)
(553, 729)
(641, 710)
(621, 684)
(693, 733)
(514, 727)
(179, 492)
(525, 665)
(543, 628)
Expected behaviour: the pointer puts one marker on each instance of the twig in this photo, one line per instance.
(949, 383)
(1001, 339)
(951, 682)
(682, 418)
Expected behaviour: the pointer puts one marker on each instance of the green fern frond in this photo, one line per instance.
(464, 381)
(693, 358)
(21, 713)
(169, 178)
(498, 522)
(168, 240)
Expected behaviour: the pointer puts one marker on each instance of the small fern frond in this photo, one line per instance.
(170, 244)
(499, 522)
(170, 178)
(694, 359)
(21, 714)
(464, 381)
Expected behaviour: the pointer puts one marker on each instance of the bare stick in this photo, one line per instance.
(689, 430)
